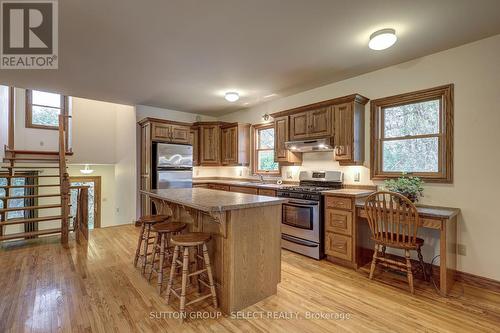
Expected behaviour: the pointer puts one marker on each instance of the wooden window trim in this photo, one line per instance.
(445, 169)
(29, 111)
(255, 150)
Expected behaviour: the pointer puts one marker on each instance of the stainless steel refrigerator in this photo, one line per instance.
(174, 166)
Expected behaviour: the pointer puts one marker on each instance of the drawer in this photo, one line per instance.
(269, 193)
(218, 187)
(338, 246)
(242, 189)
(338, 202)
(339, 221)
(200, 185)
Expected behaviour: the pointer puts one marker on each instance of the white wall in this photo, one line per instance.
(4, 118)
(103, 135)
(475, 70)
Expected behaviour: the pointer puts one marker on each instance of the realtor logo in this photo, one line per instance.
(29, 38)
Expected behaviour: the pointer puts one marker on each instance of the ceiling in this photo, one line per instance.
(185, 54)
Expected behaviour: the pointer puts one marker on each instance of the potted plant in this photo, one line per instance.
(410, 187)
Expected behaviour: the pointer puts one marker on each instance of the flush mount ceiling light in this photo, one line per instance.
(86, 170)
(382, 39)
(232, 96)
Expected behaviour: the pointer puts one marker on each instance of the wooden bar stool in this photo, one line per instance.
(161, 247)
(144, 236)
(187, 241)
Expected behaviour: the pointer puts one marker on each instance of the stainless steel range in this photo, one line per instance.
(302, 217)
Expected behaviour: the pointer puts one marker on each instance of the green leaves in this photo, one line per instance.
(410, 187)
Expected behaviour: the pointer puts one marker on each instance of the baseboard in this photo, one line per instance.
(365, 257)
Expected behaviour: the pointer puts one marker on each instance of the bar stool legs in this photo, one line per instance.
(183, 242)
(139, 243)
(209, 273)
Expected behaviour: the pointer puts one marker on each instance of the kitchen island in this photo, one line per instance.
(245, 247)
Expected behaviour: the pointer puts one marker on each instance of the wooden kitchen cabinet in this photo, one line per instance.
(235, 144)
(169, 132)
(145, 167)
(311, 124)
(341, 120)
(194, 141)
(281, 135)
(340, 245)
(349, 132)
(210, 147)
(244, 189)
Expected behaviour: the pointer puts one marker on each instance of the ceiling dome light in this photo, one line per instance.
(232, 96)
(382, 39)
(87, 170)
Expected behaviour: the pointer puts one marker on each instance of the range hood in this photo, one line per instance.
(309, 145)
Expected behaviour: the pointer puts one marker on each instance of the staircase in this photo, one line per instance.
(46, 180)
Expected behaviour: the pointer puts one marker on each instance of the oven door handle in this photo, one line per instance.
(298, 241)
(302, 203)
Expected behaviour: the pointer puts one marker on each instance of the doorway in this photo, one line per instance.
(94, 184)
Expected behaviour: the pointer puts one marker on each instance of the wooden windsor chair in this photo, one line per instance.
(394, 222)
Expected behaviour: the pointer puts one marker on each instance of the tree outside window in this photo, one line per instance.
(413, 133)
(43, 109)
(264, 150)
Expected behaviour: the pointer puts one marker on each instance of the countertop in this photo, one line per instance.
(349, 192)
(242, 183)
(212, 200)
(424, 210)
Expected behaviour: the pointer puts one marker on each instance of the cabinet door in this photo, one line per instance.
(320, 122)
(179, 134)
(162, 132)
(280, 137)
(343, 128)
(229, 145)
(145, 183)
(210, 145)
(338, 246)
(299, 126)
(339, 221)
(194, 141)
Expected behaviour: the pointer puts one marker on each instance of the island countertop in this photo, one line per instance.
(212, 200)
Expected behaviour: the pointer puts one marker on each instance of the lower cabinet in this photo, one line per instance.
(219, 187)
(267, 192)
(243, 189)
(340, 245)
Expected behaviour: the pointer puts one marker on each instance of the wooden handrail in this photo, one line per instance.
(64, 181)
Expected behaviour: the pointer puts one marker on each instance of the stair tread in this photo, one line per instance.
(35, 152)
(31, 196)
(30, 186)
(28, 167)
(14, 209)
(30, 234)
(29, 176)
(36, 219)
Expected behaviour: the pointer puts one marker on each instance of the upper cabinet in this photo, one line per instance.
(194, 141)
(310, 124)
(210, 153)
(341, 119)
(282, 135)
(235, 144)
(170, 132)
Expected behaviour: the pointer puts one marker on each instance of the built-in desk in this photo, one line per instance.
(341, 243)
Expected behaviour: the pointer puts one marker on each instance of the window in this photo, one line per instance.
(413, 133)
(43, 109)
(14, 192)
(263, 161)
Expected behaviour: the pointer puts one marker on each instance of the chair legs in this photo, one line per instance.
(421, 259)
(409, 272)
(186, 274)
(374, 261)
(139, 243)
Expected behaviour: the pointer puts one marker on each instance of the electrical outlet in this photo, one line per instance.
(357, 176)
(41, 143)
(462, 249)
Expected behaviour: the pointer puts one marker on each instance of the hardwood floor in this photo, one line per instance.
(45, 288)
